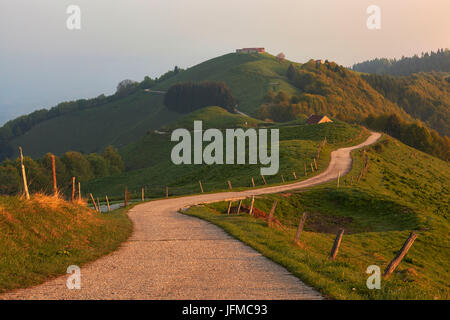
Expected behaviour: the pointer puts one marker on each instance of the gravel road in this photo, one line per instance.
(173, 256)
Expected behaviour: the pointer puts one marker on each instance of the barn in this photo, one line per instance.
(316, 119)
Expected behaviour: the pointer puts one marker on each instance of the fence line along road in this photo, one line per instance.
(174, 256)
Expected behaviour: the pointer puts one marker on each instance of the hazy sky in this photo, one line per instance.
(43, 63)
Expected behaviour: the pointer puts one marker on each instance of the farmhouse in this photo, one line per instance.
(316, 119)
(251, 50)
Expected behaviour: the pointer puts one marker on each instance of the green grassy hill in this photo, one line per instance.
(91, 130)
(126, 120)
(214, 117)
(250, 76)
(149, 164)
(403, 190)
(155, 146)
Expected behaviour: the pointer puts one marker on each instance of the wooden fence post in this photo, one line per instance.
(93, 201)
(167, 192)
(107, 203)
(300, 227)
(229, 185)
(79, 191)
(239, 207)
(251, 205)
(315, 163)
(253, 182)
(201, 187)
(229, 207)
(339, 177)
(73, 189)
(312, 168)
(337, 243)
(272, 211)
(24, 176)
(55, 186)
(403, 251)
(143, 195)
(264, 179)
(295, 176)
(306, 173)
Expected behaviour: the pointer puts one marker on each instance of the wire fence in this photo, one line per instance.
(398, 250)
(155, 191)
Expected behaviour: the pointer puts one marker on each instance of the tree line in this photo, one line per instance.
(381, 102)
(424, 96)
(189, 96)
(413, 134)
(326, 88)
(71, 164)
(434, 61)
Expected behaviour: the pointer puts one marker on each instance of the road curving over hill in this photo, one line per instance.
(174, 256)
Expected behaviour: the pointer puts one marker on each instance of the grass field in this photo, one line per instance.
(41, 237)
(91, 130)
(214, 117)
(249, 77)
(403, 190)
(150, 166)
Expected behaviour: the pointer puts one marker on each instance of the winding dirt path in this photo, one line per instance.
(173, 256)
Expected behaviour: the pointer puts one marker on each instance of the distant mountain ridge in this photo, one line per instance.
(434, 61)
(425, 96)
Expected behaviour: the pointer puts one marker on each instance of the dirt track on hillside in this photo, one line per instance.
(174, 256)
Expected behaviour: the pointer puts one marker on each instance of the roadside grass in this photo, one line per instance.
(41, 237)
(404, 190)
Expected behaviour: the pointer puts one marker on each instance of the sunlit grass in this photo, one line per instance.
(41, 237)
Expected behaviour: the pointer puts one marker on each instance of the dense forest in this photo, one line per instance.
(281, 107)
(20, 125)
(189, 96)
(71, 164)
(332, 90)
(425, 96)
(327, 89)
(413, 134)
(434, 61)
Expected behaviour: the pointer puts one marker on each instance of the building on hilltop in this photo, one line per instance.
(316, 119)
(320, 61)
(251, 50)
